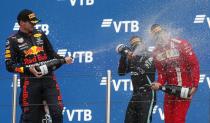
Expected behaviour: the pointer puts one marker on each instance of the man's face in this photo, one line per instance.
(160, 37)
(138, 47)
(135, 41)
(27, 26)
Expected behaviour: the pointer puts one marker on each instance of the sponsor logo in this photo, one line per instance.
(151, 48)
(125, 84)
(25, 93)
(202, 79)
(20, 40)
(34, 50)
(79, 2)
(39, 57)
(80, 56)
(37, 35)
(79, 115)
(121, 26)
(104, 80)
(172, 53)
(32, 15)
(19, 69)
(43, 27)
(159, 110)
(106, 23)
(23, 46)
(200, 19)
(82, 2)
(7, 52)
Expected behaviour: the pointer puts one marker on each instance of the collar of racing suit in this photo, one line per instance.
(24, 34)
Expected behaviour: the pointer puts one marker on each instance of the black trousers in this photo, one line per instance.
(33, 92)
(140, 106)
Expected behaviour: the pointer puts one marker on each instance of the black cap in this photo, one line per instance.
(27, 15)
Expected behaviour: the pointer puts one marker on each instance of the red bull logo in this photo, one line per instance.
(25, 93)
(19, 69)
(30, 61)
(34, 50)
(39, 58)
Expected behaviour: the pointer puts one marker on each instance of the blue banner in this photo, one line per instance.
(90, 30)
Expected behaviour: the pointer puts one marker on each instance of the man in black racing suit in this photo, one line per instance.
(25, 50)
(141, 67)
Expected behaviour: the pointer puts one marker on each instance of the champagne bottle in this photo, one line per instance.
(178, 91)
(122, 49)
(50, 66)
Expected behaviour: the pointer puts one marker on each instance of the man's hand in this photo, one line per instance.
(130, 55)
(155, 86)
(192, 92)
(35, 72)
(68, 60)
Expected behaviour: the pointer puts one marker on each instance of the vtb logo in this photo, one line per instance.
(81, 56)
(34, 50)
(126, 26)
(43, 27)
(202, 79)
(82, 2)
(79, 115)
(158, 109)
(199, 19)
(126, 84)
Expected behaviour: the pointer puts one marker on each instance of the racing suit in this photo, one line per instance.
(22, 51)
(143, 99)
(176, 64)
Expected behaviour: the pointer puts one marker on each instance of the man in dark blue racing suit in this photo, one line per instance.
(26, 50)
(141, 67)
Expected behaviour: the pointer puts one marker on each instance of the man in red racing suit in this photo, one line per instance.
(176, 64)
